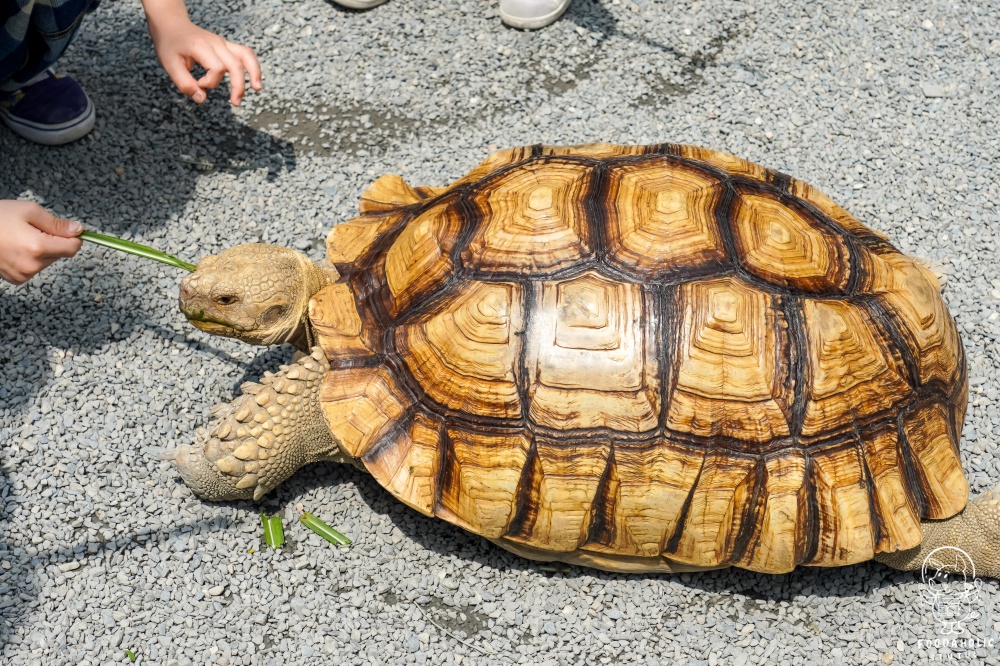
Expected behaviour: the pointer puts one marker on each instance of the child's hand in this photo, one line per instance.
(31, 238)
(180, 44)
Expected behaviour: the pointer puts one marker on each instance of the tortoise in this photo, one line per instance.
(636, 358)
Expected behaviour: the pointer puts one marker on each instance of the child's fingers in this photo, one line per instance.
(215, 69)
(55, 247)
(237, 76)
(48, 223)
(177, 70)
(250, 62)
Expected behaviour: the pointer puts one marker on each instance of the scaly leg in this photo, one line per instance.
(976, 530)
(261, 438)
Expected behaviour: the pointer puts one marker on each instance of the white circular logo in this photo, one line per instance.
(952, 588)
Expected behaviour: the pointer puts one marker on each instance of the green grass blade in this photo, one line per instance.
(324, 530)
(131, 655)
(277, 531)
(137, 249)
(555, 567)
(274, 534)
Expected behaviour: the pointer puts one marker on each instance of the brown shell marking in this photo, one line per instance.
(382, 208)
(361, 406)
(781, 245)
(730, 164)
(337, 324)
(854, 374)
(563, 486)
(419, 260)
(844, 522)
(495, 162)
(534, 220)
(727, 381)
(590, 357)
(719, 505)
(737, 166)
(936, 461)
(597, 151)
(350, 240)
(660, 218)
(911, 293)
(777, 540)
(465, 354)
(481, 479)
(389, 192)
(407, 464)
(826, 206)
(896, 509)
(779, 412)
(652, 484)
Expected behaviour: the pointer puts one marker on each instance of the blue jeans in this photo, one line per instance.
(33, 35)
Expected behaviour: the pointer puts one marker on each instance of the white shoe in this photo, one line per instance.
(531, 14)
(359, 4)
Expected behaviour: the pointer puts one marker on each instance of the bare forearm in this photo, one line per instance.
(162, 14)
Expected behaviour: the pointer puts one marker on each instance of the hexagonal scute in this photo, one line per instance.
(725, 380)
(661, 219)
(533, 220)
(464, 355)
(590, 355)
(781, 244)
(419, 260)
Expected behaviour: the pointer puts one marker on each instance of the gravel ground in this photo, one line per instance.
(889, 108)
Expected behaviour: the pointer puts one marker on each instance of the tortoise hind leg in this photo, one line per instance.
(261, 438)
(976, 531)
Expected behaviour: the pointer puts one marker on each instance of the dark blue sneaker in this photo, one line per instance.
(51, 110)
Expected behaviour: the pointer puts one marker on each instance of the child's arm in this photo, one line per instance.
(180, 44)
(31, 238)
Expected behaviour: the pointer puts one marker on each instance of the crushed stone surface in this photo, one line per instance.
(890, 107)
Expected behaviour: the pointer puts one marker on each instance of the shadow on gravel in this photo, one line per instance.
(734, 592)
(446, 539)
(137, 172)
(133, 176)
(19, 583)
(328, 126)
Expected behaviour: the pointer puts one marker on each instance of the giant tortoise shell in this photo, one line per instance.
(643, 358)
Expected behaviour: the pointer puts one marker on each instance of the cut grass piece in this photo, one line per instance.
(324, 530)
(137, 249)
(131, 655)
(274, 534)
(555, 567)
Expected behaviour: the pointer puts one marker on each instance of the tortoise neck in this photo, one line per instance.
(315, 278)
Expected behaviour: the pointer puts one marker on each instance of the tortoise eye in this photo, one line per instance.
(225, 300)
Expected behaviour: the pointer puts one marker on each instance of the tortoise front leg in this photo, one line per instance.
(261, 438)
(976, 530)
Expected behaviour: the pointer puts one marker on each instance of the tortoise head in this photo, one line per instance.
(256, 293)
